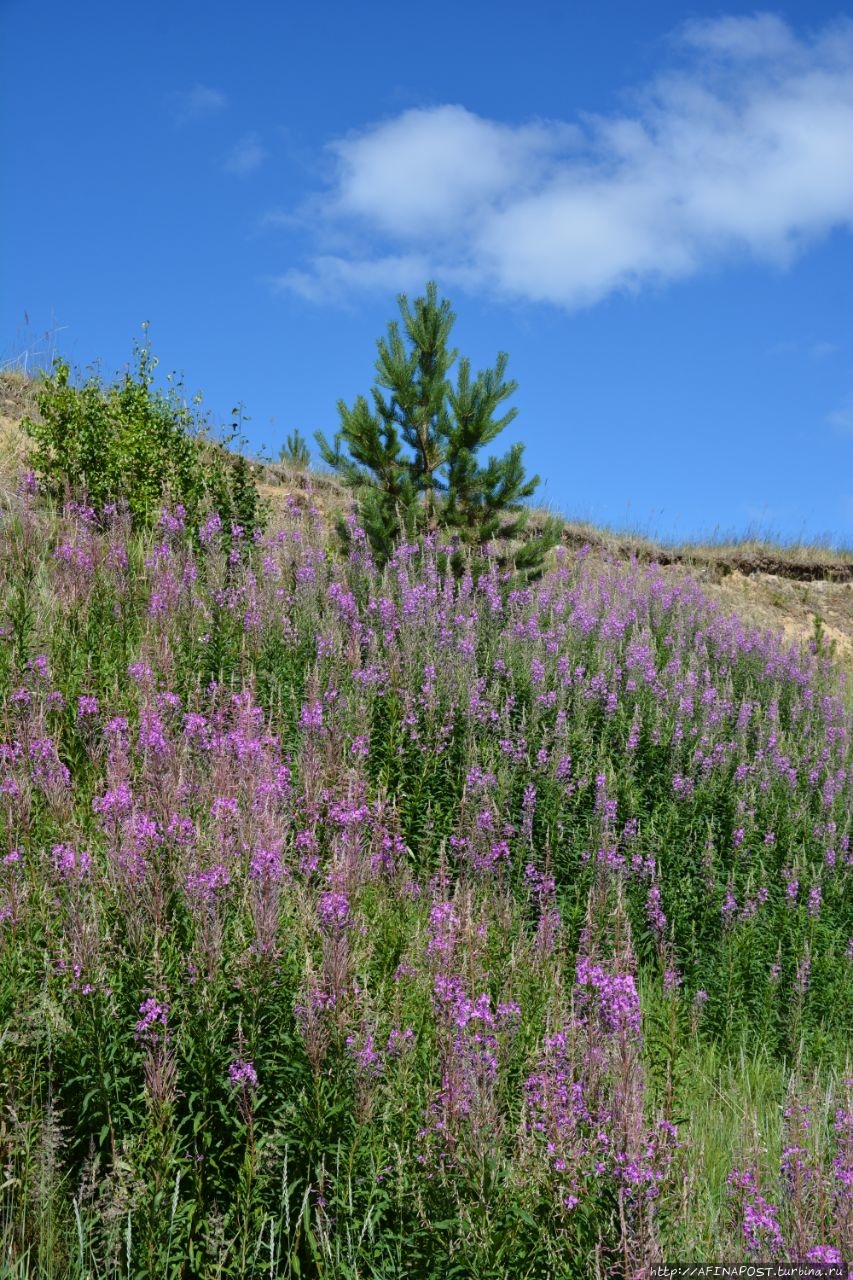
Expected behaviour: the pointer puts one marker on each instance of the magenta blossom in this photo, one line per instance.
(242, 1074)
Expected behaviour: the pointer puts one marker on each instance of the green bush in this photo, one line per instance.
(132, 442)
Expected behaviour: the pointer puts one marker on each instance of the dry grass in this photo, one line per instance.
(17, 399)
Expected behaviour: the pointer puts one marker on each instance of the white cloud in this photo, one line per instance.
(197, 103)
(745, 150)
(817, 349)
(246, 157)
(274, 218)
(842, 417)
(332, 278)
(763, 36)
(427, 172)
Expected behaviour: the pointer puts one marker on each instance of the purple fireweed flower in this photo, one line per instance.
(443, 926)
(116, 730)
(750, 907)
(480, 778)
(485, 820)
(448, 992)
(760, 1222)
(203, 886)
(683, 787)
(368, 1061)
(140, 672)
(814, 902)
(508, 1013)
(266, 865)
(224, 807)
(399, 1041)
(197, 729)
(143, 831)
(242, 1074)
(349, 814)
(333, 911)
(796, 1167)
(181, 830)
(152, 735)
(209, 529)
(543, 885)
(618, 1000)
(86, 706)
(564, 769)
(311, 716)
(792, 888)
(654, 910)
(671, 981)
(496, 852)
(173, 521)
(605, 808)
(40, 665)
(117, 556)
(466, 1010)
(824, 1253)
(153, 1025)
(69, 863)
(842, 1165)
(46, 769)
(115, 802)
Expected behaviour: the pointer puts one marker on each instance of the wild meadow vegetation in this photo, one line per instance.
(384, 911)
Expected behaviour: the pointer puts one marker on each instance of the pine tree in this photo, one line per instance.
(295, 452)
(411, 457)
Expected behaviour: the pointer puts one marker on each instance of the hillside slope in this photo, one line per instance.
(803, 592)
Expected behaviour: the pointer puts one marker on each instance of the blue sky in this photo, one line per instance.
(649, 207)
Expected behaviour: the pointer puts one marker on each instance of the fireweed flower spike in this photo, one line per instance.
(242, 1074)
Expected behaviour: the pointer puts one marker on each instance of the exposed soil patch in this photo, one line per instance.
(803, 564)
